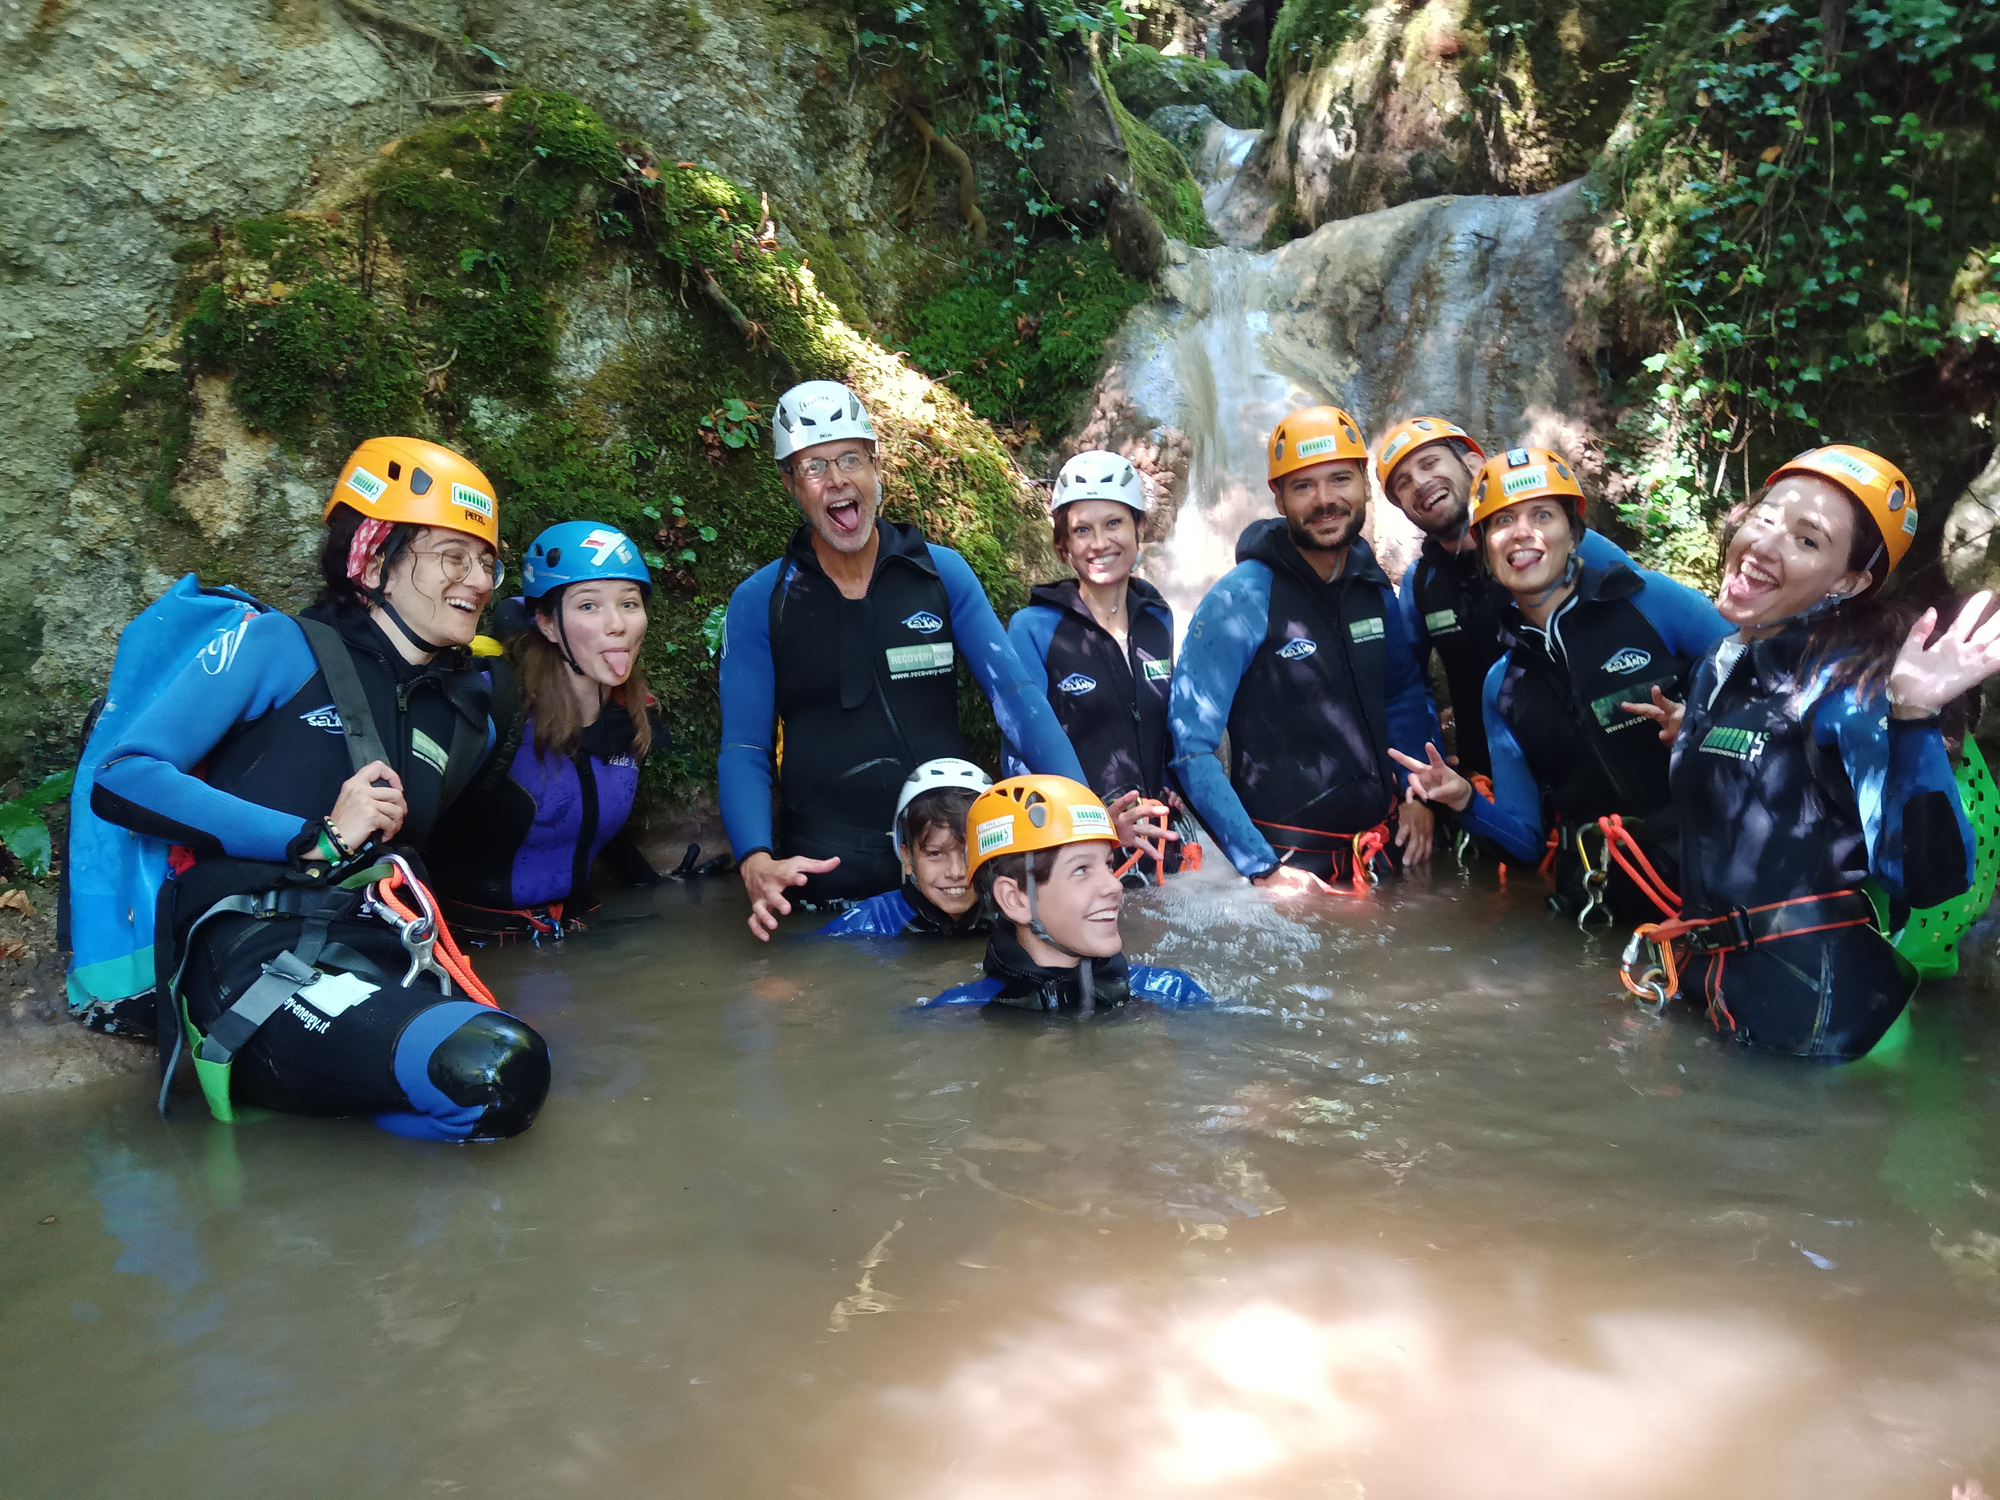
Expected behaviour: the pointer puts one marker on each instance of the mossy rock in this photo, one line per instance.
(1147, 79)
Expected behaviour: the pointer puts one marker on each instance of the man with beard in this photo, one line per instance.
(1448, 603)
(1300, 653)
(851, 642)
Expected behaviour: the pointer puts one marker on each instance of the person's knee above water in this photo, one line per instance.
(574, 722)
(304, 1006)
(1300, 654)
(936, 898)
(1044, 856)
(1103, 642)
(1810, 757)
(849, 645)
(1589, 651)
(1450, 601)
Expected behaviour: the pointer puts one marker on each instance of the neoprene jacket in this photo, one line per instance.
(1314, 683)
(1788, 789)
(526, 834)
(246, 754)
(904, 913)
(1560, 745)
(1110, 700)
(1014, 979)
(1451, 605)
(866, 689)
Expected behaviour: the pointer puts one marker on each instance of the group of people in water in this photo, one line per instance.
(354, 794)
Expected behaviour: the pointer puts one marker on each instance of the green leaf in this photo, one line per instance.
(27, 836)
(711, 628)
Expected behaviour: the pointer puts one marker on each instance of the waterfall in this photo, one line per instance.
(1463, 307)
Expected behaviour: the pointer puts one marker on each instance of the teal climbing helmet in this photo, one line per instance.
(581, 552)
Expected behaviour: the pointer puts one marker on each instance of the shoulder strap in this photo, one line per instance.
(510, 724)
(357, 719)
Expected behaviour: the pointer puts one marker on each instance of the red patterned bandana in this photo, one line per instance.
(368, 536)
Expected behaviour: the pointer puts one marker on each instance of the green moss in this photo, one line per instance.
(1023, 350)
(138, 418)
(1147, 79)
(1160, 174)
(1307, 30)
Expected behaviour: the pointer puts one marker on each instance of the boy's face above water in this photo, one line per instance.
(1078, 903)
(936, 863)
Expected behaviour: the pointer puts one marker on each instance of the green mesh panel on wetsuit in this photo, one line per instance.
(1929, 940)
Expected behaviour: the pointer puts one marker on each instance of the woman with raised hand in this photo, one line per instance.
(1586, 650)
(575, 722)
(1103, 643)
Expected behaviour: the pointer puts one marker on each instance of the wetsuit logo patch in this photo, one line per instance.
(327, 718)
(220, 654)
(1077, 684)
(995, 833)
(923, 622)
(1372, 629)
(1442, 622)
(1158, 671)
(1631, 659)
(427, 750)
(919, 661)
(1736, 744)
(1298, 650)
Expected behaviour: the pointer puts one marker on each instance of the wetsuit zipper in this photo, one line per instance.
(1345, 640)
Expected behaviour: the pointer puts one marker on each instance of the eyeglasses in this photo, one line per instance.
(849, 464)
(457, 564)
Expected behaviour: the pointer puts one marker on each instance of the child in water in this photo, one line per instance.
(1043, 856)
(936, 897)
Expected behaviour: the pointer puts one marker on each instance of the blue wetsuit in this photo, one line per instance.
(903, 913)
(1561, 749)
(866, 690)
(237, 764)
(1016, 981)
(1789, 789)
(1314, 682)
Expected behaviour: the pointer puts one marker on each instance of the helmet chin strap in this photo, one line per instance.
(1087, 991)
(1826, 603)
(1542, 596)
(382, 602)
(562, 630)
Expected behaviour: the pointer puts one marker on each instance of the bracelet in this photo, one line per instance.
(324, 847)
(332, 835)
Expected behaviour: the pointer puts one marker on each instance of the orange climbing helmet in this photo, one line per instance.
(1522, 474)
(1407, 436)
(1878, 486)
(1316, 435)
(1024, 814)
(408, 479)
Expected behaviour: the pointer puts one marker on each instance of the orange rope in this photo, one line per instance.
(446, 950)
(1652, 885)
(1366, 847)
(1549, 859)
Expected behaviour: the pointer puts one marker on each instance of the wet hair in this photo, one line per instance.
(1014, 867)
(545, 692)
(943, 807)
(1570, 509)
(336, 589)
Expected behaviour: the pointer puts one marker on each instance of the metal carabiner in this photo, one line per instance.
(1650, 980)
(1595, 879)
(1459, 846)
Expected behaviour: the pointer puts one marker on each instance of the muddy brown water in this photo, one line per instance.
(1420, 1209)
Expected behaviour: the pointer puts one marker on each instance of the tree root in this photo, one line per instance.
(968, 187)
(755, 334)
(451, 49)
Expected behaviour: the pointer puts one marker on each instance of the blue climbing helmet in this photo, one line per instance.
(581, 552)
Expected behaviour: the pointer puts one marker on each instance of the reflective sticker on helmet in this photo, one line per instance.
(1086, 820)
(471, 499)
(1299, 649)
(366, 485)
(1536, 478)
(1076, 684)
(1910, 521)
(1397, 444)
(603, 542)
(1323, 444)
(995, 833)
(1845, 463)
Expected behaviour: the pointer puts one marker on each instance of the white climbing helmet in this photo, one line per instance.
(1097, 475)
(820, 411)
(930, 777)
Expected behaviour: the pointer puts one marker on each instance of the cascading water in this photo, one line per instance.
(1465, 307)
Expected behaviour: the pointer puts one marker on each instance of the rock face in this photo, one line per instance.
(1384, 104)
(1481, 309)
(1149, 80)
(128, 130)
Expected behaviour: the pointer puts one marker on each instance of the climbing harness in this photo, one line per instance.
(1363, 850)
(423, 932)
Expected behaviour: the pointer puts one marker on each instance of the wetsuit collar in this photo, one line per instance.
(1592, 584)
(1065, 595)
(450, 669)
(1028, 985)
(1270, 543)
(927, 916)
(899, 543)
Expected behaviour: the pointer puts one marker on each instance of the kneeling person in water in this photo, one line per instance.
(1043, 853)
(936, 896)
